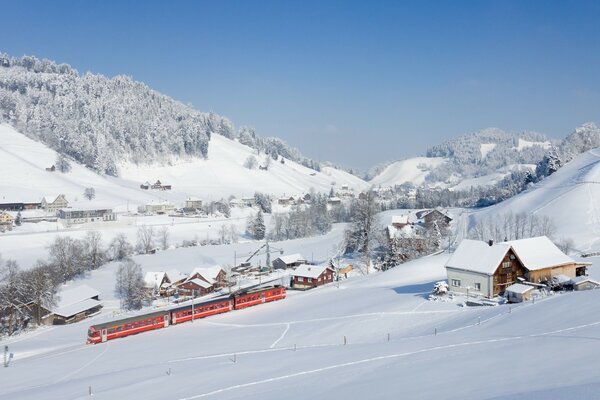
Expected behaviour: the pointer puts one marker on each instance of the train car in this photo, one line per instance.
(248, 298)
(201, 310)
(128, 326)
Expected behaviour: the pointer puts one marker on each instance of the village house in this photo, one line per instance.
(215, 276)
(53, 204)
(436, 217)
(286, 201)
(76, 304)
(290, 261)
(194, 287)
(193, 204)
(163, 207)
(311, 276)
(7, 205)
(72, 216)
(334, 201)
(146, 185)
(487, 269)
(157, 283)
(159, 186)
(6, 221)
(176, 277)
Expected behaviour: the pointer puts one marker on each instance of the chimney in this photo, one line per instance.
(491, 242)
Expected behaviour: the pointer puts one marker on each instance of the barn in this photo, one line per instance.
(76, 304)
(290, 261)
(487, 269)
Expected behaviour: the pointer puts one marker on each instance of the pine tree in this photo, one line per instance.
(259, 226)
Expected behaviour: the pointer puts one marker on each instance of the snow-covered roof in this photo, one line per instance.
(539, 253)
(76, 295)
(519, 288)
(400, 219)
(581, 279)
(209, 273)
(404, 232)
(478, 256)
(153, 279)
(292, 258)
(76, 308)
(201, 283)
(310, 271)
(175, 275)
(535, 253)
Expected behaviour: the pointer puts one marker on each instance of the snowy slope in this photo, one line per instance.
(412, 170)
(223, 174)
(23, 162)
(570, 196)
(295, 349)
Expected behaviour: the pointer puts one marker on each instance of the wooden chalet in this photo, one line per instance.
(436, 217)
(311, 276)
(487, 269)
(157, 283)
(216, 276)
(76, 304)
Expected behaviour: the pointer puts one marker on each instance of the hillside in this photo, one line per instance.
(220, 175)
(477, 159)
(570, 197)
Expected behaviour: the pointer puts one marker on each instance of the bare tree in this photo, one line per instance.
(163, 237)
(89, 193)
(250, 162)
(145, 237)
(41, 290)
(120, 247)
(94, 252)
(66, 257)
(361, 236)
(129, 285)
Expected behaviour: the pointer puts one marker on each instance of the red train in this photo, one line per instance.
(161, 319)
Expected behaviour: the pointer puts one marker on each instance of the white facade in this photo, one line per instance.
(476, 283)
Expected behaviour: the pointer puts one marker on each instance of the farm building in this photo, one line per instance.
(157, 282)
(584, 283)
(193, 203)
(216, 276)
(52, 204)
(76, 304)
(310, 276)
(518, 292)
(72, 216)
(487, 269)
(291, 261)
(436, 217)
(163, 207)
(194, 286)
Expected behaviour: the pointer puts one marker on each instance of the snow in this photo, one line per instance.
(519, 288)
(76, 308)
(475, 255)
(485, 148)
(201, 283)
(413, 170)
(525, 143)
(153, 280)
(292, 258)
(570, 197)
(310, 271)
(539, 253)
(75, 295)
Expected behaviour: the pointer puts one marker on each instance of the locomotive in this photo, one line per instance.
(179, 314)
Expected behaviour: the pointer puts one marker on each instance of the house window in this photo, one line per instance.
(456, 282)
(478, 286)
(506, 264)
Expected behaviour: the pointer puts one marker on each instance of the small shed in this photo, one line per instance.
(584, 283)
(518, 292)
(289, 261)
(76, 304)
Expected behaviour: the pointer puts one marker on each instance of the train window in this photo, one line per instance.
(127, 326)
(119, 328)
(155, 321)
(111, 330)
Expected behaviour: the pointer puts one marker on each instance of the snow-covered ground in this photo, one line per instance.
(412, 170)
(295, 349)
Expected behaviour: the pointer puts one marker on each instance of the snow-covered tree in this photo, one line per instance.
(145, 238)
(250, 162)
(62, 164)
(89, 193)
(129, 285)
(120, 248)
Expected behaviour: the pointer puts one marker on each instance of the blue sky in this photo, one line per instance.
(356, 83)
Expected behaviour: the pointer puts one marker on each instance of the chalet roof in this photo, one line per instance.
(519, 288)
(209, 273)
(400, 219)
(175, 275)
(581, 279)
(73, 309)
(478, 256)
(535, 254)
(154, 279)
(406, 231)
(200, 283)
(311, 271)
(292, 258)
(76, 295)
(539, 253)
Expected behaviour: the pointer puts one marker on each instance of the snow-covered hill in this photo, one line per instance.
(412, 170)
(23, 162)
(570, 197)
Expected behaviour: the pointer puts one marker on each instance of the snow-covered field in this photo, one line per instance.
(295, 349)
(412, 170)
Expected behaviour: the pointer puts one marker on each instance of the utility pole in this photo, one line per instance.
(193, 304)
